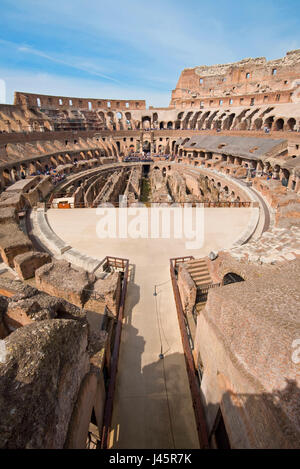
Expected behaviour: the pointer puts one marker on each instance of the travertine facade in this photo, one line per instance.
(248, 82)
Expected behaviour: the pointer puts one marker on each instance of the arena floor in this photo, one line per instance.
(153, 406)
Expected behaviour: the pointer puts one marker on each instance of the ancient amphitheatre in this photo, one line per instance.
(144, 343)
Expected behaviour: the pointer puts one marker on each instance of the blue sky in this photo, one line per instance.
(134, 48)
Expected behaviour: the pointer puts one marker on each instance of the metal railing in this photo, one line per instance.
(191, 372)
(205, 204)
(123, 264)
(180, 260)
(202, 290)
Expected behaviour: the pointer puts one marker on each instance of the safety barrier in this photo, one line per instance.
(191, 372)
(124, 265)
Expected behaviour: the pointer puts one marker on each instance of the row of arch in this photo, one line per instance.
(20, 170)
(218, 119)
(248, 119)
(209, 186)
(288, 178)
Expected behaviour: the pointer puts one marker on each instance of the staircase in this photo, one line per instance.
(198, 270)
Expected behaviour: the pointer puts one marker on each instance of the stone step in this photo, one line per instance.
(197, 269)
(205, 279)
(200, 275)
(200, 278)
(200, 272)
(203, 282)
(196, 261)
(195, 265)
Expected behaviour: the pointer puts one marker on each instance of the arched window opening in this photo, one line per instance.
(232, 277)
(279, 124)
(291, 123)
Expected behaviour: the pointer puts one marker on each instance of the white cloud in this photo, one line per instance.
(127, 49)
(44, 83)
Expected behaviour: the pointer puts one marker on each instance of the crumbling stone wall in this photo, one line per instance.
(241, 334)
(43, 386)
(40, 191)
(52, 364)
(79, 287)
(251, 78)
(114, 186)
(187, 289)
(159, 189)
(27, 263)
(177, 187)
(133, 188)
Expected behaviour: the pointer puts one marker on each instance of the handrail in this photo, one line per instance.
(178, 260)
(194, 387)
(206, 204)
(115, 355)
(208, 286)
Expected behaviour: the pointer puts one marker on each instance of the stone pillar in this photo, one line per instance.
(276, 173)
(259, 169)
(12, 175)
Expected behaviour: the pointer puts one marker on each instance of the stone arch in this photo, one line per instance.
(202, 119)
(291, 123)
(194, 119)
(285, 177)
(146, 122)
(228, 121)
(146, 145)
(232, 277)
(269, 122)
(186, 119)
(217, 124)
(210, 120)
(279, 124)
(258, 123)
(6, 177)
(14, 174)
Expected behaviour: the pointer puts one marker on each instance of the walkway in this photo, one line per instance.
(153, 407)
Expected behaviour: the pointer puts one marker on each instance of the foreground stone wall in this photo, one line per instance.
(51, 369)
(248, 370)
(43, 386)
(80, 287)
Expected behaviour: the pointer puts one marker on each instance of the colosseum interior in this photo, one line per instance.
(149, 342)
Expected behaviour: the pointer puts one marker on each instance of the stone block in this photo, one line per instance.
(187, 290)
(27, 263)
(61, 279)
(45, 365)
(106, 293)
(12, 242)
